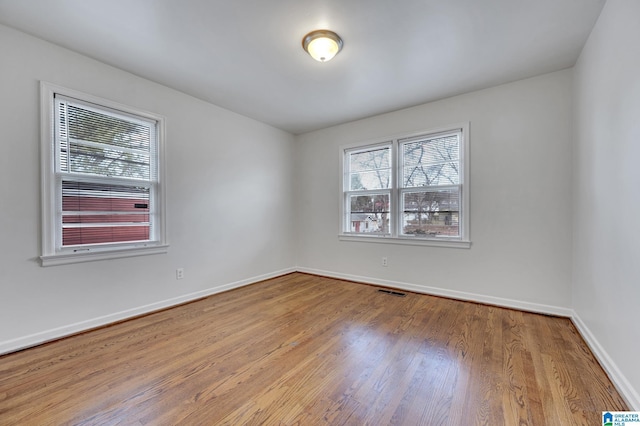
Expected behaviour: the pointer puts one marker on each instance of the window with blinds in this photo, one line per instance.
(104, 180)
(410, 188)
(105, 173)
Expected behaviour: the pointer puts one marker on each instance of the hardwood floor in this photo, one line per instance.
(308, 350)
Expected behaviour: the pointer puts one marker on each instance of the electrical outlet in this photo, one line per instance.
(179, 273)
(385, 261)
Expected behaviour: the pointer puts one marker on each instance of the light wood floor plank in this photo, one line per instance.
(309, 350)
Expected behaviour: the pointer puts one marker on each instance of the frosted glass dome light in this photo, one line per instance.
(322, 45)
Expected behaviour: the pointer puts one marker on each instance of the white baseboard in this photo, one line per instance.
(631, 395)
(452, 294)
(67, 330)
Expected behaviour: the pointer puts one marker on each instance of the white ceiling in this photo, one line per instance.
(246, 55)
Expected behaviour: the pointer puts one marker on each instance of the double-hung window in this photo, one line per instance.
(412, 189)
(102, 186)
(368, 190)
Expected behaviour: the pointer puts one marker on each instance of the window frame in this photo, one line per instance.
(53, 253)
(396, 190)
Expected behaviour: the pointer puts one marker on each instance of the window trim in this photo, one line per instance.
(52, 255)
(395, 237)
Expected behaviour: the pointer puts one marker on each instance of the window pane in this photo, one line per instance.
(93, 126)
(369, 213)
(108, 162)
(104, 213)
(431, 161)
(440, 174)
(369, 160)
(433, 213)
(379, 179)
(102, 144)
(370, 169)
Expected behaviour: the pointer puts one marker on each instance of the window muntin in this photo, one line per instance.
(422, 180)
(102, 192)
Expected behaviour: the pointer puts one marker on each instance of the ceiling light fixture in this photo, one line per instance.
(322, 45)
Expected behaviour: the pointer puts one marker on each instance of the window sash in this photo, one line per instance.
(112, 157)
(442, 162)
(104, 213)
(432, 213)
(373, 172)
(373, 211)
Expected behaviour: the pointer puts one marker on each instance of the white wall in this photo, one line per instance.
(606, 233)
(224, 228)
(520, 143)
